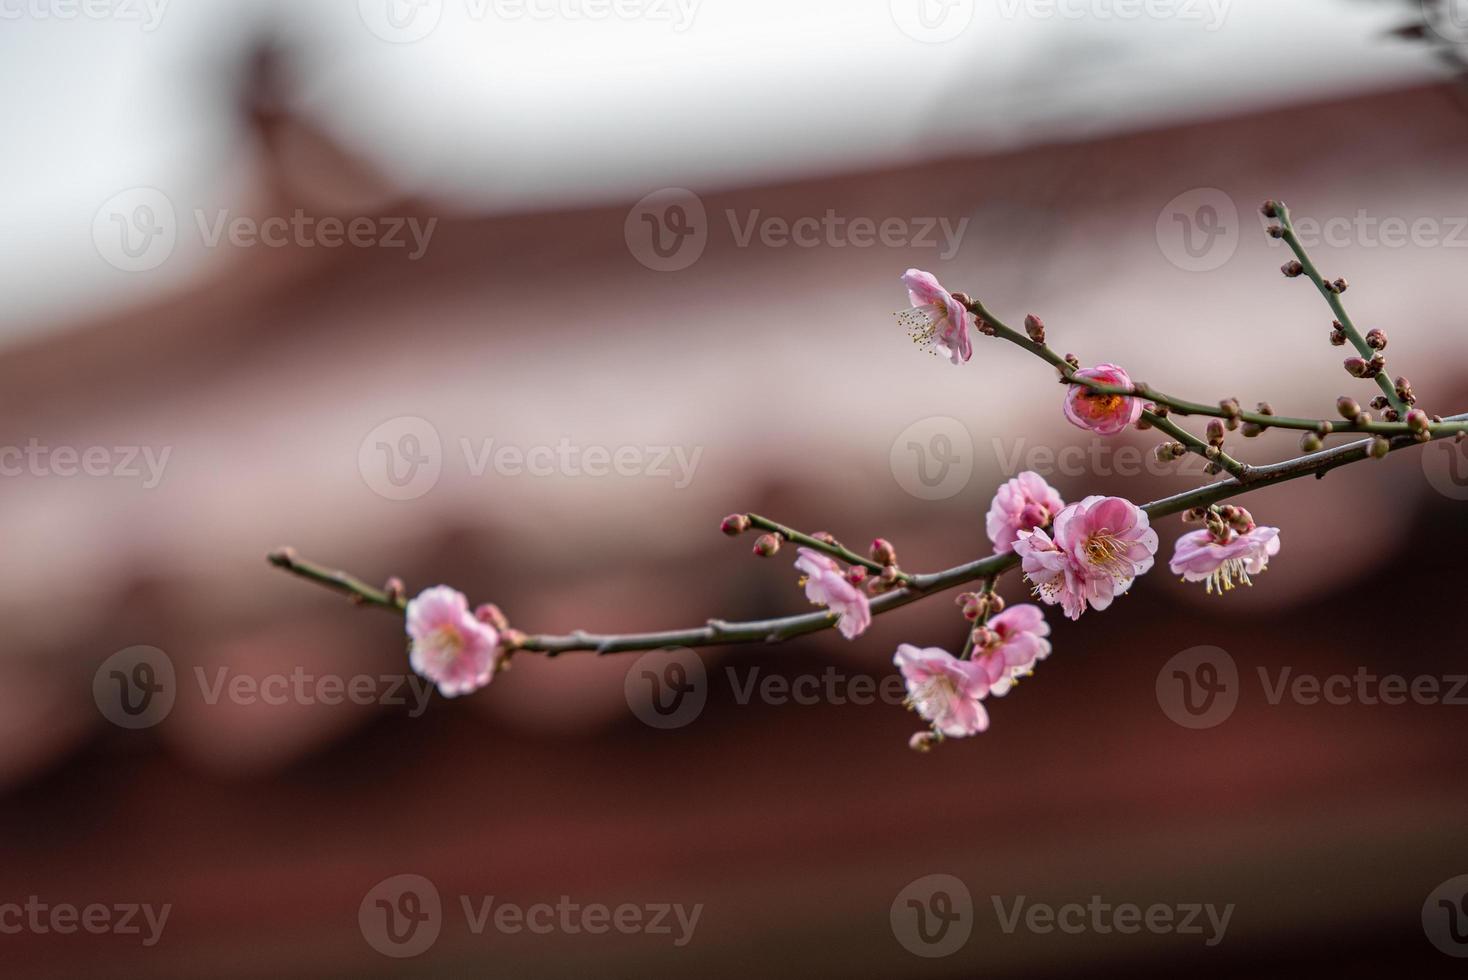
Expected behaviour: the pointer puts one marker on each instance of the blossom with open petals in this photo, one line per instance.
(1023, 504)
(945, 691)
(451, 646)
(1017, 641)
(937, 321)
(826, 585)
(1201, 557)
(1107, 414)
(1099, 547)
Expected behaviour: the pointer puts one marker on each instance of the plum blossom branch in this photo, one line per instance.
(1078, 556)
(717, 632)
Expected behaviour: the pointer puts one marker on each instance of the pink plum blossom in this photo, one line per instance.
(937, 321)
(1201, 557)
(944, 690)
(1106, 414)
(1100, 546)
(1023, 504)
(1017, 642)
(826, 585)
(451, 647)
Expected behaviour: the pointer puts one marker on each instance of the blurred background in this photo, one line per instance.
(524, 296)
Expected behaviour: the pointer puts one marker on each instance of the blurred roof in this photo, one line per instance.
(491, 105)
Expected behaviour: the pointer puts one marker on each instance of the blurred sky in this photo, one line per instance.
(509, 105)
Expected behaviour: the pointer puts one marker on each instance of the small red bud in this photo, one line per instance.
(1035, 327)
(1417, 420)
(1376, 340)
(735, 525)
(767, 545)
(882, 552)
(1292, 269)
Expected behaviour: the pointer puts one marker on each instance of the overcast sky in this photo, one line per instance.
(520, 104)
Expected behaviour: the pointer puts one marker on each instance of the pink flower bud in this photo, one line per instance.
(882, 552)
(490, 613)
(767, 545)
(735, 525)
(1376, 340)
(1417, 420)
(1348, 407)
(1215, 432)
(1356, 367)
(1035, 327)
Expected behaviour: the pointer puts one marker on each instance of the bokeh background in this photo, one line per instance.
(1098, 163)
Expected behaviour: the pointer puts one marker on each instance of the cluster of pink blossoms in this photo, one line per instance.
(1075, 556)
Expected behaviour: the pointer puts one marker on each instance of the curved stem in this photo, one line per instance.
(717, 632)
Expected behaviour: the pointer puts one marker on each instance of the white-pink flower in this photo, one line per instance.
(1107, 414)
(826, 585)
(1201, 557)
(1100, 546)
(1018, 642)
(944, 690)
(937, 321)
(451, 647)
(1023, 504)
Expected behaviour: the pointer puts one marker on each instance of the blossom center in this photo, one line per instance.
(1108, 553)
